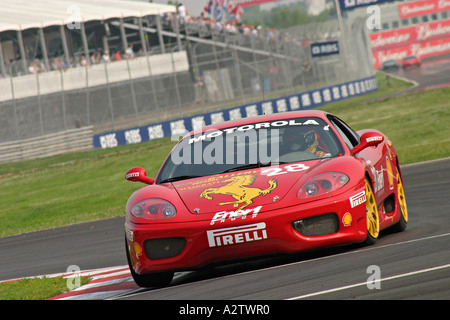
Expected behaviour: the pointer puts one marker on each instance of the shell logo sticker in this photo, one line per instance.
(347, 219)
(137, 249)
(239, 189)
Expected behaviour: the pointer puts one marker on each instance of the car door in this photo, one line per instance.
(373, 157)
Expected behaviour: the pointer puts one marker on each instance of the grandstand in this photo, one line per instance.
(52, 35)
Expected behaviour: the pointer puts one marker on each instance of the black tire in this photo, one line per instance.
(401, 224)
(154, 279)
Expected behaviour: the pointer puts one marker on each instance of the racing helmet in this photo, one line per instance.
(300, 139)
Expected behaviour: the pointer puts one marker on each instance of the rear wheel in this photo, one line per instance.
(401, 225)
(372, 217)
(155, 279)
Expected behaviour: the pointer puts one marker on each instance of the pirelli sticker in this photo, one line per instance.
(358, 199)
(236, 235)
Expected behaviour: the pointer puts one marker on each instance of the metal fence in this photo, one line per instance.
(205, 69)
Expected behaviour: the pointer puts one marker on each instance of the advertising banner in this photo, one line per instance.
(179, 127)
(422, 40)
(421, 50)
(421, 8)
(320, 49)
(353, 4)
(408, 35)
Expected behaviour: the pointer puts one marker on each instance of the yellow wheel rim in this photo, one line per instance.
(401, 197)
(373, 220)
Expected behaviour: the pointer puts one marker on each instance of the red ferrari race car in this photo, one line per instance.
(410, 62)
(278, 183)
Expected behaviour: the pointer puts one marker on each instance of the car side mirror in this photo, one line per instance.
(138, 174)
(368, 139)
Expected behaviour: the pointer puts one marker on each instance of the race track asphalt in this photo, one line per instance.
(411, 264)
(414, 264)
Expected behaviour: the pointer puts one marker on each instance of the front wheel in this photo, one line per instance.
(372, 217)
(155, 279)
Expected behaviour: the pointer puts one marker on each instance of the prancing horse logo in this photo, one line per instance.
(238, 188)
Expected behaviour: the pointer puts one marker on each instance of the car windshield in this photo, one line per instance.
(250, 146)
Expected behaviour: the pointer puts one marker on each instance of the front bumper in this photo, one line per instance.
(188, 245)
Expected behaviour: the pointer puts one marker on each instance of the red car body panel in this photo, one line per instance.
(409, 62)
(215, 229)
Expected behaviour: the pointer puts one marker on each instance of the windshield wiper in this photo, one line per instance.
(250, 166)
(173, 179)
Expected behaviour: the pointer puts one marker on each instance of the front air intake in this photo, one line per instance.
(317, 225)
(163, 248)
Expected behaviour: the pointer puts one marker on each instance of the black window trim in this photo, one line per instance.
(343, 128)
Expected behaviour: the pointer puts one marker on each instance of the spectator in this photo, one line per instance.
(116, 56)
(33, 68)
(105, 57)
(83, 61)
(306, 67)
(218, 26)
(95, 58)
(59, 64)
(129, 52)
(199, 90)
(182, 13)
(269, 34)
(246, 30)
(307, 72)
(40, 66)
(254, 31)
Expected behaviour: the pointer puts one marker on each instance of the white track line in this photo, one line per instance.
(370, 248)
(365, 283)
(309, 261)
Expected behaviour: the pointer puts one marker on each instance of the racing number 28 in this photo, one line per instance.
(289, 168)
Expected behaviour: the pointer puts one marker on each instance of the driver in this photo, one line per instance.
(303, 139)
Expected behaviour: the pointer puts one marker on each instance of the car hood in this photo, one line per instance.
(239, 190)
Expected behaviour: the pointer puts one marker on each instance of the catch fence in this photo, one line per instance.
(200, 69)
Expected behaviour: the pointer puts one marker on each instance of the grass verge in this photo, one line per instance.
(83, 186)
(35, 288)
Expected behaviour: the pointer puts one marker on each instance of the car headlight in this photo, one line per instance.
(153, 209)
(322, 184)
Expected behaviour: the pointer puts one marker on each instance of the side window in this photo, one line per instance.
(349, 136)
